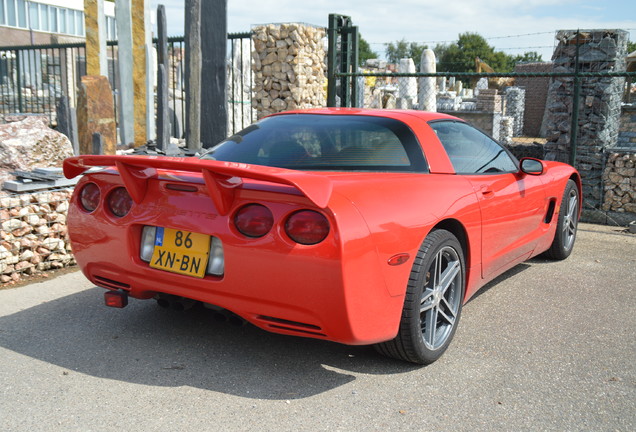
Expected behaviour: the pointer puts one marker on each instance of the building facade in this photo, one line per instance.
(38, 22)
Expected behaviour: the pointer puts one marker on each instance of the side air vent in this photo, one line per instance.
(294, 326)
(550, 212)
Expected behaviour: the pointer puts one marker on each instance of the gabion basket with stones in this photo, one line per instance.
(33, 233)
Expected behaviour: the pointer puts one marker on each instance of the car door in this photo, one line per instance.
(512, 204)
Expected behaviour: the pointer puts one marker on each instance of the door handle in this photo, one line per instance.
(486, 191)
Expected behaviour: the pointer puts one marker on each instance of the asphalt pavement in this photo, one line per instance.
(548, 346)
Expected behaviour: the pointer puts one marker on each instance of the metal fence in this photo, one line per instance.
(33, 77)
(587, 73)
(509, 94)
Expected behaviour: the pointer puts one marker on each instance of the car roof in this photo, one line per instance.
(404, 115)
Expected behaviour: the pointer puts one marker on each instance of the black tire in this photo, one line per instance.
(565, 234)
(430, 300)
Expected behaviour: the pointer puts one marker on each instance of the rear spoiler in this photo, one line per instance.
(221, 178)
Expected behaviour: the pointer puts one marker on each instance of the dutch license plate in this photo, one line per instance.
(181, 252)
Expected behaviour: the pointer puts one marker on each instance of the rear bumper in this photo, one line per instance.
(333, 291)
(314, 307)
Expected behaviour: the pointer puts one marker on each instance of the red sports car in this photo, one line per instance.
(355, 226)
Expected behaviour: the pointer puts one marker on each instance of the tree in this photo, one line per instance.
(528, 57)
(365, 52)
(403, 49)
(631, 47)
(460, 56)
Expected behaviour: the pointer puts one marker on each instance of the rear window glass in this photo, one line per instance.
(324, 142)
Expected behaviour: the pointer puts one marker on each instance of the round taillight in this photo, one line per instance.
(89, 197)
(307, 227)
(254, 220)
(119, 202)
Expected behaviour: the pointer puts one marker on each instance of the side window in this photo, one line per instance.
(471, 151)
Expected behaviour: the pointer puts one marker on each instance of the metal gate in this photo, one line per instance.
(33, 77)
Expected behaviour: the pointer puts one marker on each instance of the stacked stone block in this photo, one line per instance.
(506, 129)
(515, 107)
(489, 100)
(289, 67)
(536, 94)
(627, 131)
(33, 234)
(620, 183)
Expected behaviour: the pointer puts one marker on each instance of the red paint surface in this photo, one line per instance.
(341, 289)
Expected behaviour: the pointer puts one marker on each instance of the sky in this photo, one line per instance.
(512, 26)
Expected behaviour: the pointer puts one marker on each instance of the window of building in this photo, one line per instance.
(11, 13)
(44, 17)
(62, 20)
(22, 16)
(37, 16)
(111, 28)
(70, 22)
(34, 17)
(79, 23)
(53, 19)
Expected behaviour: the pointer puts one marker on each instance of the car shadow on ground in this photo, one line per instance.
(149, 345)
(519, 268)
(502, 277)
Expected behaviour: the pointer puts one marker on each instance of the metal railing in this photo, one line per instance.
(33, 77)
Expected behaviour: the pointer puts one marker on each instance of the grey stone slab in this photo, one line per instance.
(213, 62)
(27, 186)
(125, 64)
(193, 73)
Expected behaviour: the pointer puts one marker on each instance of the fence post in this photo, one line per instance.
(574, 129)
(332, 37)
(163, 123)
(18, 79)
(65, 122)
(354, 55)
(345, 50)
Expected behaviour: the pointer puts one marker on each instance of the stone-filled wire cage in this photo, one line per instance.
(33, 233)
(598, 98)
(582, 120)
(288, 62)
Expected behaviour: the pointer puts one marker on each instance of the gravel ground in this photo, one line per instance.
(548, 346)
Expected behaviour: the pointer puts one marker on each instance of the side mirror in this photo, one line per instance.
(531, 166)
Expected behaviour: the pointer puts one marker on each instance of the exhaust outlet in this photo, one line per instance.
(173, 302)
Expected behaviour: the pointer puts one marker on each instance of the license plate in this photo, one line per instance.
(182, 252)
